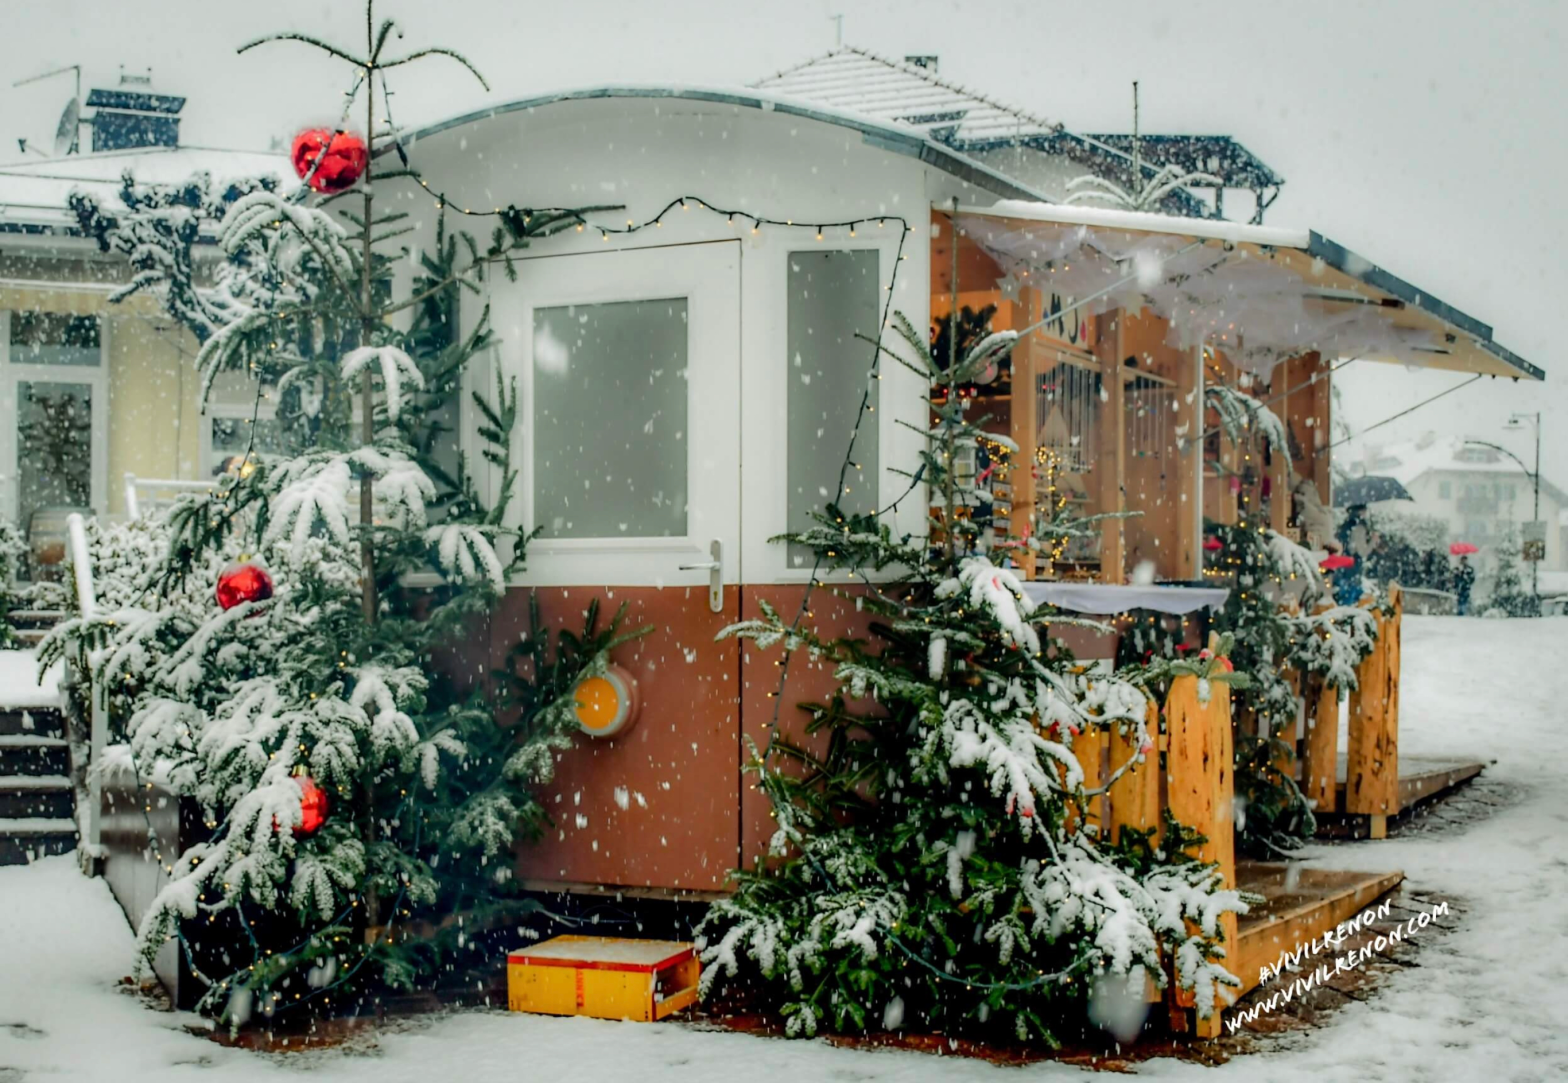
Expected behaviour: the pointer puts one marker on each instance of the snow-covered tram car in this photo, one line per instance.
(690, 363)
(686, 392)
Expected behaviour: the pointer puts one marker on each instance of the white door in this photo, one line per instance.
(53, 404)
(628, 373)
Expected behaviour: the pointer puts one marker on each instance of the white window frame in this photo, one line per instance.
(12, 376)
(765, 418)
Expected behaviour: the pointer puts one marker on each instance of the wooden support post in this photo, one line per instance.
(1089, 749)
(1320, 755)
(1278, 472)
(1023, 428)
(1111, 453)
(1372, 757)
(1187, 454)
(1135, 796)
(1201, 788)
(1322, 418)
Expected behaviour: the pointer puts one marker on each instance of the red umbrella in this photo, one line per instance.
(1336, 562)
(1462, 549)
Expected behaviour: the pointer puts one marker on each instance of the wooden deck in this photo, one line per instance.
(1421, 779)
(1299, 906)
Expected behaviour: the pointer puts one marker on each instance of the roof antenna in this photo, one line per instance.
(67, 131)
(838, 21)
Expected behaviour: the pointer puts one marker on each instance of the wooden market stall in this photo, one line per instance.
(1116, 408)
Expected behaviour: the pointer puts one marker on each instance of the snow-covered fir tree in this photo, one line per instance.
(328, 683)
(929, 869)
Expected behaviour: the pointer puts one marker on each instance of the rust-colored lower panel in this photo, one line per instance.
(808, 680)
(658, 806)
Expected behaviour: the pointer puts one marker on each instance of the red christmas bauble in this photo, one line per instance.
(312, 806)
(343, 158)
(243, 582)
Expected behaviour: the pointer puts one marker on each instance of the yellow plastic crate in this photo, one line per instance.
(604, 977)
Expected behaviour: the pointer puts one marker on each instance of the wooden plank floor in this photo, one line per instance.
(1299, 905)
(1420, 778)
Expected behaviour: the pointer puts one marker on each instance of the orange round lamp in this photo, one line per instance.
(607, 704)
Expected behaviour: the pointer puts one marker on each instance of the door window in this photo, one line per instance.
(610, 419)
(833, 296)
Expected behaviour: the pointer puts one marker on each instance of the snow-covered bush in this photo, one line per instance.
(13, 593)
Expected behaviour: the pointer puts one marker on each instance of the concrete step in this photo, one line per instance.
(24, 754)
(26, 839)
(33, 796)
(31, 637)
(32, 722)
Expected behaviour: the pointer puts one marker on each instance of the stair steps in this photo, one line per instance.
(37, 802)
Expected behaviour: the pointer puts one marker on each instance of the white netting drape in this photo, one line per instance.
(1258, 312)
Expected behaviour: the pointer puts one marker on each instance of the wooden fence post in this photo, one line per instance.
(1320, 756)
(1135, 797)
(1372, 758)
(1200, 784)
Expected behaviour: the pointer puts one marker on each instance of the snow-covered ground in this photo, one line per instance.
(1488, 1002)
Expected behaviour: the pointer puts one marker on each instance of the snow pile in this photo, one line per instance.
(22, 686)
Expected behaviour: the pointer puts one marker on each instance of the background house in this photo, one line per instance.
(1476, 494)
(90, 390)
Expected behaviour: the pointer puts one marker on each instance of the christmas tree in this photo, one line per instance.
(349, 786)
(1509, 595)
(930, 868)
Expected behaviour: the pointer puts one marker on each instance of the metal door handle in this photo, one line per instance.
(715, 570)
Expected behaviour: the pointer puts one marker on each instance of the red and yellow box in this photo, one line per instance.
(604, 977)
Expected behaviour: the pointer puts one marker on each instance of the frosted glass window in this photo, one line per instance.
(54, 453)
(55, 338)
(609, 419)
(832, 296)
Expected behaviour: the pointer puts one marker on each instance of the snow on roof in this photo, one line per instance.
(907, 94)
(1405, 462)
(33, 191)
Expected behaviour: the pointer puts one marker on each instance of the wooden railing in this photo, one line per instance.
(1195, 784)
(1371, 785)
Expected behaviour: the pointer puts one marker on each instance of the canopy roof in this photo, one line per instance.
(1261, 294)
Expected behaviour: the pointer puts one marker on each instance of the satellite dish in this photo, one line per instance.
(65, 133)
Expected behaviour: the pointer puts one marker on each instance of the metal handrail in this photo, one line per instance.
(178, 485)
(87, 603)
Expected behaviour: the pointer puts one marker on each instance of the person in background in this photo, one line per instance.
(1355, 541)
(1464, 579)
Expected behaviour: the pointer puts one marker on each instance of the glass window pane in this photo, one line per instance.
(609, 419)
(832, 296)
(232, 438)
(53, 447)
(54, 338)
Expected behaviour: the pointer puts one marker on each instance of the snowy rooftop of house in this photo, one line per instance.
(1405, 462)
(905, 93)
(911, 94)
(33, 191)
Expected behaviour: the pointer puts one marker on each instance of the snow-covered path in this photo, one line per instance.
(1488, 1002)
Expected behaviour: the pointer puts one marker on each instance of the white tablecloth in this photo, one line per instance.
(1110, 598)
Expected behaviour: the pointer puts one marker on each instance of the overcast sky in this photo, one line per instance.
(1428, 135)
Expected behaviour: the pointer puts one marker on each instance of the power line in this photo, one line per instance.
(1396, 417)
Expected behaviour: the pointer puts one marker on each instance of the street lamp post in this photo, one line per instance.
(1515, 424)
